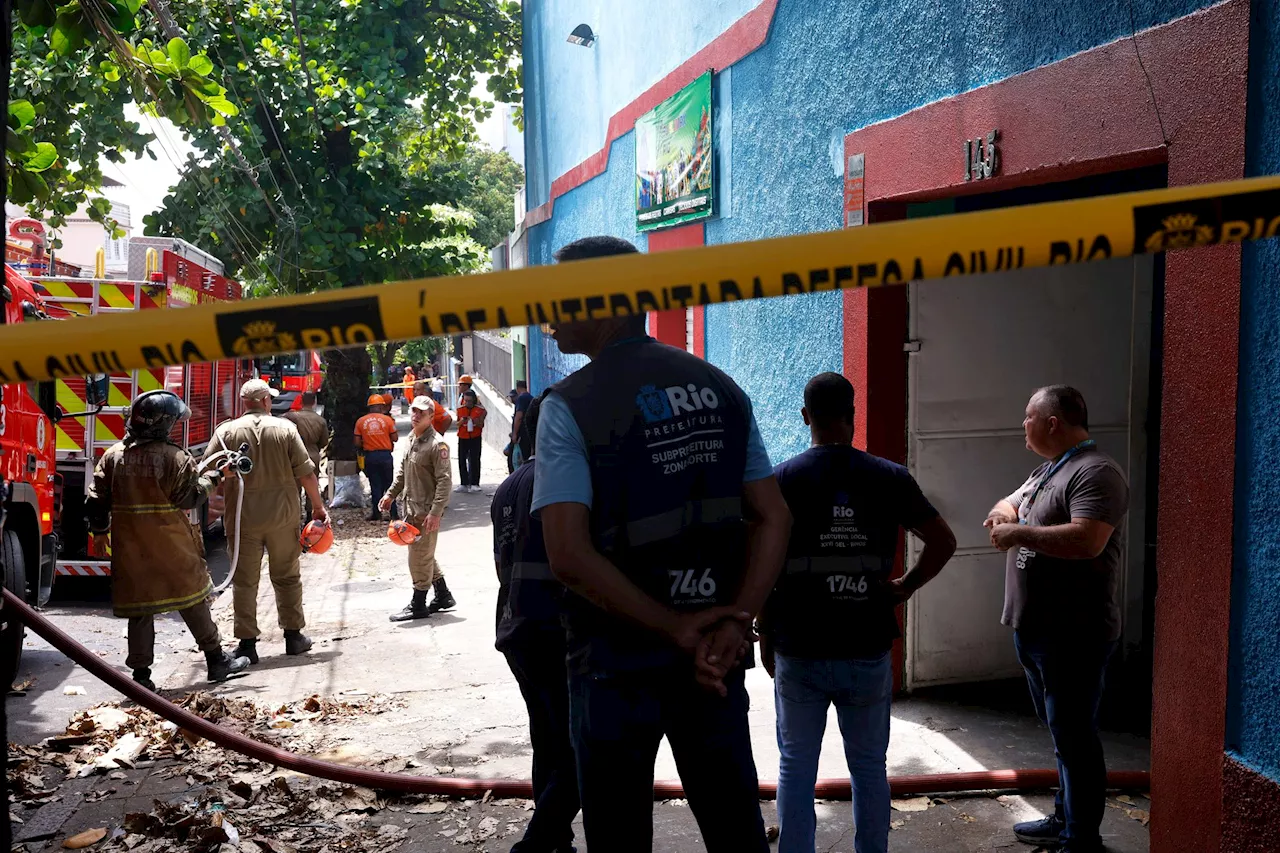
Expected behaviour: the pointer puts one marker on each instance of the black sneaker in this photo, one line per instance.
(1044, 832)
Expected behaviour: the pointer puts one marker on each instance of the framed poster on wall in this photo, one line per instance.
(674, 162)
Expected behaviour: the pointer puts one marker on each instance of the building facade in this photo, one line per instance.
(829, 114)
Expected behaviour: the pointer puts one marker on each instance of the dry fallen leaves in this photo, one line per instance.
(429, 808)
(912, 804)
(85, 839)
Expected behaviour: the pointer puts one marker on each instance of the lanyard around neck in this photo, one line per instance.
(1048, 475)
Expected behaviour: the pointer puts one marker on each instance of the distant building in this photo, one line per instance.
(82, 237)
(512, 136)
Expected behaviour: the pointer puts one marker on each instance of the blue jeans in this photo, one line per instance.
(862, 691)
(1066, 678)
(618, 720)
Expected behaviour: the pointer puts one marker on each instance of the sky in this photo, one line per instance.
(146, 182)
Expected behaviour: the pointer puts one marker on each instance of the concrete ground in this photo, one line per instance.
(462, 714)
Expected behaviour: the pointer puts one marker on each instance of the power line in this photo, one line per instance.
(161, 9)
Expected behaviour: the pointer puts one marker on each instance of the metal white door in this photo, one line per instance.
(984, 344)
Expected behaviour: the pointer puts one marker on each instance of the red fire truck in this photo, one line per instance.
(291, 374)
(29, 488)
(92, 410)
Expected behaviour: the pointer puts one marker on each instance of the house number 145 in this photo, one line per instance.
(982, 157)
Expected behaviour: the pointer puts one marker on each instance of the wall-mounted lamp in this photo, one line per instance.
(582, 35)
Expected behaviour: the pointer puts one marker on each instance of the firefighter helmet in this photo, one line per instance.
(403, 533)
(465, 379)
(317, 536)
(376, 400)
(153, 414)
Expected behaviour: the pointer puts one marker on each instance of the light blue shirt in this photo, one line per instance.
(563, 474)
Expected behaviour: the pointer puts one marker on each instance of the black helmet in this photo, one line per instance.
(153, 414)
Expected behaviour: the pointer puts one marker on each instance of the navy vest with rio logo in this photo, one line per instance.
(847, 509)
(530, 599)
(666, 437)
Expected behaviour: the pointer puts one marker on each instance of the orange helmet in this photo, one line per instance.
(465, 379)
(403, 533)
(376, 400)
(316, 538)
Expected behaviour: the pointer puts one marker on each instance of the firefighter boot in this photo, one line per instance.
(415, 609)
(247, 649)
(143, 677)
(223, 665)
(296, 643)
(443, 599)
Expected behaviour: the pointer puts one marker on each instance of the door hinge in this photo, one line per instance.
(911, 346)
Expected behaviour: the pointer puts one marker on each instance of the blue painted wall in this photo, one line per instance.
(571, 91)
(1253, 716)
(829, 67)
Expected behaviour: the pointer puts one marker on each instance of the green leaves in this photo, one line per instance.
(21, 114)
(44, 156)
(180, 54)
(201, 64)
(67, 35)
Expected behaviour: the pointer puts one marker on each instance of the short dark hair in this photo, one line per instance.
(600, 246)
(1065, 403)
(529, 423)
(829, 397)
(520, 383)
(308, 398)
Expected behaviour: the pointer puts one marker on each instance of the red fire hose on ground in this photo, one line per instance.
(831, 789)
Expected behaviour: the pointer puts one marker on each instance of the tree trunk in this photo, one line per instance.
(346, 393)
(386, 354)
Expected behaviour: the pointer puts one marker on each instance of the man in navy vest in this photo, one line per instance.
(662, 516)
(531, 635)
(827, 630)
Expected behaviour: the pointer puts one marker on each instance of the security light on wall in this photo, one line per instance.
(582, 35)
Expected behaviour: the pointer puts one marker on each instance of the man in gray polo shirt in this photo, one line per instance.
(1063, 531)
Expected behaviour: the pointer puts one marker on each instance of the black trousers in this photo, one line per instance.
(469, 461)
(619, 719)
(538, 664)
(1066, 682)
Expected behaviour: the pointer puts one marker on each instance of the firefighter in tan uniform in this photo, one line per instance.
(142, 488)
(425, 478)
(312, 427)
(314, 430)
(268, 517)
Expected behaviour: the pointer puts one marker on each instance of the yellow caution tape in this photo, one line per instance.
(1039, 235)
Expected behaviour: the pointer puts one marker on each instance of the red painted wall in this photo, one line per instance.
(1089, 114)
(669, 326)
(1251, 810)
